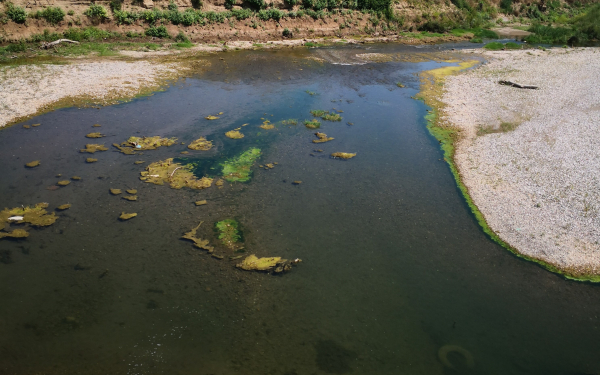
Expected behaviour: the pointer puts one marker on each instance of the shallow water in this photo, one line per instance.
(394, 265)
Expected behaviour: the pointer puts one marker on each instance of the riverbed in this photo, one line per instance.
(396, 274)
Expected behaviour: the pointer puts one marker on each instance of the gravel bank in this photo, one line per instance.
(27, 89)
(538, 185)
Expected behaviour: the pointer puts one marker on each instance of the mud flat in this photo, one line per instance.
(529, 158)
(28, 89)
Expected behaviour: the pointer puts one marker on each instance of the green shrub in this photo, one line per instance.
(71, 12)
(506, 6)
(291, 3)
(229, 4)
(181, 37)
(215, 17)
(197, 4)
(88, 34)
(123, 17)
(512, 45)
(548, 34)
(172, 6)
(287, 33)
(589, 23)
(268, 14)
(16, 47)
(486, 34)
(476, 40)
(494, 46)
(157, 32)
(16, 13)
(53, 15)
(241, 14)
(115, 5)
(256, 4)
(97, 12)
(432, 27)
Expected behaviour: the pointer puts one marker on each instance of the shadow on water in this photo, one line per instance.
(396, 275)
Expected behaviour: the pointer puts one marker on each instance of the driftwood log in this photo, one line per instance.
(512, 84)
(57, 42)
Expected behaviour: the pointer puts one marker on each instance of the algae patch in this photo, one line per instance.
(130, 197)
(91, 160)
(131, 191)
(63, 207)
(145, 143)
(95, 135)
(267, 125)
(229, 233)
(63, 183)
(36, 216)
(175, 174)
(198, 242)
(326, 115)
(200, 144)
(239, 168)
(312, 124)
(201, 203)
(234, 134)
(343, 155)
(33, 164)
(266, 264)
(92, 148)
(17, 233)
(115, 191)
(322, 138)
(125, 216)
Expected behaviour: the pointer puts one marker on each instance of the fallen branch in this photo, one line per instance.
(56, 42)
(512, 84)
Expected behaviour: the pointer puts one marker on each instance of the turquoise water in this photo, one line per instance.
(394, 267)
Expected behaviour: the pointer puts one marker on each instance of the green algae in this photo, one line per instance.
(95, 135)
(238, 169)
(148, 143)
(63, 183)
(326, 115)
(431, 92)
(63, 207)
(91, 160)
(343, 155)
(253, 263)
(229, 233)
(33, 164)
(125, 216)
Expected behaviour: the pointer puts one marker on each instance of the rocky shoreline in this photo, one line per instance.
(529, 158)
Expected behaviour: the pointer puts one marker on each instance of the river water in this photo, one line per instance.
(396, 276)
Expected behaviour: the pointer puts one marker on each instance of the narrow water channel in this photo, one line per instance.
(396, 276)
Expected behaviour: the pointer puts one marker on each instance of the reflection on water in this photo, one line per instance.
(396, 277)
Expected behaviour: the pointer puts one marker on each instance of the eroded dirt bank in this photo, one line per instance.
(529, 158)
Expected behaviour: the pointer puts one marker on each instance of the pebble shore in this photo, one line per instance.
(27, 89)
(538, 186)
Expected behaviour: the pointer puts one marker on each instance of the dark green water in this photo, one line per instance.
(394, 265)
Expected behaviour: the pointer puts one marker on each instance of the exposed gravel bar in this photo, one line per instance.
(27, 89)
(538, 185)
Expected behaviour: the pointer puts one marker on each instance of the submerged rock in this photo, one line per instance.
(125, 216)
(175, 174)
(239, 168)
(200, 144)
(343, 155)
(234, 134)
(198, 242)
(93, 147)
(33, 164)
